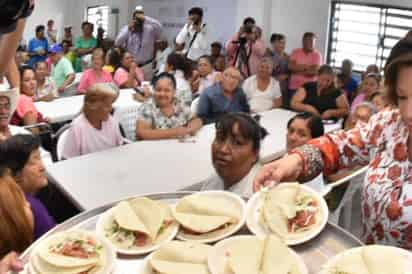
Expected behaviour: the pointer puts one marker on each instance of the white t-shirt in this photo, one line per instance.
(261, 100)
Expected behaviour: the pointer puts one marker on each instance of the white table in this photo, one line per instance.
(66, 108)
(152, 166)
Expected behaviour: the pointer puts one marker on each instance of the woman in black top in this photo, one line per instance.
(321, 97)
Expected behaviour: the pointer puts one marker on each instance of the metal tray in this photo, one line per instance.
(315, 253)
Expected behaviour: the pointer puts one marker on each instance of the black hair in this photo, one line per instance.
(85, 23)
(249, 20)
(309, 35)
(179, 62)
(208, 58)
(375, 94)
(16, 150)
(23, 69)
(40, 28)
(39, 62)
(277, 37)
(216, 45)
(67, 42)
(315, 123)
(196, 11)
(248, 126)
(326, 69)
(164, 75)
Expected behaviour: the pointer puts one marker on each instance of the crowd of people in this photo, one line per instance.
(198, 82)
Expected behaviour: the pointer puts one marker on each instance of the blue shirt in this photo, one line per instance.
(34, 45)
(213, 103)
(351, 86)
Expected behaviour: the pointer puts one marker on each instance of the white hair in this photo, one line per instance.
(368, 105)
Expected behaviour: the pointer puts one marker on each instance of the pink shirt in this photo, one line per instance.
(121, 75)
(25, 105)
(89, 78)
(82, 138)
(357, 101)
(301, 58)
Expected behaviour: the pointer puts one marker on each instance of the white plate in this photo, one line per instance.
(232, 229)
(334, 260)
(253, 219)
(104, 218)
(217, 257)
(110, 256)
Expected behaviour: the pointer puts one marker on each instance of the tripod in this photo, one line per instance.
(242, 59)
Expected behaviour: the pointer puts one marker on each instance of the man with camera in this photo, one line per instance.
(245, 50)
(193, 38)
(139, 38)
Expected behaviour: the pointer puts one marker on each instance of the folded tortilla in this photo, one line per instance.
(383, 260)
(141, 214)
(181, 258)
(202, 213)
(251, 255)
(43, 267)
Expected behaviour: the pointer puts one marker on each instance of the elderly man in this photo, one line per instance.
(62, 71)
(139, 38)
(223, 97)
(8, 104)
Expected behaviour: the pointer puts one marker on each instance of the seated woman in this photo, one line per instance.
(235, 154)
(46, 90)
(363, 113)
(177, 65)
(21, 154)
(164, 116)
(262, 90)
(369, 86)
(379, 100)
(8, 104)
(96, 74)
(321, 98)
(16, 230)
(26, 112)
(206, 75)
(302, 128)
(112, 59)
(95, 129)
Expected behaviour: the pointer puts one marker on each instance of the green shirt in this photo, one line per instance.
(61, 70)
(81, 43)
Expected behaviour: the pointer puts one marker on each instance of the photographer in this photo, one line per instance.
(193, 38)
(139, 38)
(245, 50)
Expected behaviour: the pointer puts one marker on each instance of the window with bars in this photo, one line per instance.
(365, 33)
(99, 16)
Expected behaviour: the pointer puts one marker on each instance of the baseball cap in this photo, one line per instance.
(56, 48)
(139, 9)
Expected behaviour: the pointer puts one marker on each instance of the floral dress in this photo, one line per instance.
(387, 189)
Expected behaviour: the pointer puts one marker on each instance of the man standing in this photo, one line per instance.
(62, 71)
(304, 64)
(51, 33)
(38, 47)
(350, 84)
(139, 38)
(223, 97)
(193, 38)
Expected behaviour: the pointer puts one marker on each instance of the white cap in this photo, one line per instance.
(139, 8)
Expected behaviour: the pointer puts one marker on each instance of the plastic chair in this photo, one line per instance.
(127, 117)
(194, 105)
(61, 137)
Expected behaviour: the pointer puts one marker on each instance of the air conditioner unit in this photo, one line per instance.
(113, 23)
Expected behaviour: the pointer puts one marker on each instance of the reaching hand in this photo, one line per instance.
(10, 262)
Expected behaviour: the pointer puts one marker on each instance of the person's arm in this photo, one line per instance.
(144, 131)
(231, 47)
(342, 110)
(8, 45)
(122, 37)
(277, 103)
(311, 70)
(204, 108)
(84, 83)
(13, 74)
(69, 80)
(156, 25)
(298, 105)
(71, 146)
(259, 48)
(181, 37)
(194, 125)
(10, 262)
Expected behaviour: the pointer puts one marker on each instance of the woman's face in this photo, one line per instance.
(127, 60)
(164, 92)
(265, 70)
(298, 134)
(404, 92)
(87, 30)
(204, 67)
(325, 80)
(369, 86)
(379, 102)
(279, 46)
(97, 61)
(28, 83)
(33, 176)
(101, 107)
(41, 71)
(4, 111)
(233, 155)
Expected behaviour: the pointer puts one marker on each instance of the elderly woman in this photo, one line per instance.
(262, 90)
(164, 116)
(235, 154)
(363, 112)
(177, 65)
(21, 154)
(26, 112)
(369, 86)
(8, 104)
(96, 74)
(302, 128)
(206, 75)
(95, 129)
(384, 143)
(16, 230)
(46, 89)
(321, 98)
